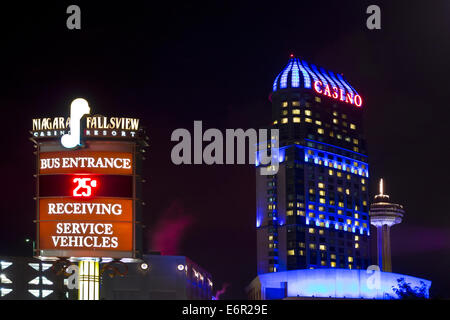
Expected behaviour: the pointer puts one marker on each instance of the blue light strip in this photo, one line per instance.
(275, 83)
(306, 77)
(326, 160)
(324, 73)
(330, 145)
(313, 75)
(349, 89)
(340, 85)
(295, 82)
(283, 81)
(322, 78)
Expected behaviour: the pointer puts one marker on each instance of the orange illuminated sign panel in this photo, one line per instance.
(102, 209)
(81, 161)
(74, 224)
(84, 235)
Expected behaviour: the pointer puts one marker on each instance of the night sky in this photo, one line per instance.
(170, 64)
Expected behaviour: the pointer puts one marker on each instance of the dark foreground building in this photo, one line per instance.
(155, 277)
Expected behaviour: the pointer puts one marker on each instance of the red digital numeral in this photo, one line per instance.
(84, 187)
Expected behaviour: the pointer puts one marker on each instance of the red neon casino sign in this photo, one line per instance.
(338, 94)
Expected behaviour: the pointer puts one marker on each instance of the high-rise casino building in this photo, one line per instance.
(314, 212)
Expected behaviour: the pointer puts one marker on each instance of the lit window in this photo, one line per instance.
(333, 264)
(317, 99)
(296, 120)
(347, 191)
(284, 104)
(270, 238)
(289, 212)
(356, 245)
(312, 245)
(333, 256)
(321, 232)
(339, 174)
(284, 120)
(335, 121)
(275, 122)
(321, 185)
(322, 193)
(339, 136)
(311, 230)
(323, 263)
(311, 207)
(352, 126)
(335, 113)
(323, 247)
(308, 112)
(301, 244)
(301, 252)
(331, 134)
(311, 214)
(320, 130)
(318, 122)
(363, 188)
(308, 120)
(350, 259)
(296, 103)
(284, 113)
(296, 111)
(355, 141)
(339, 189)
(322, 200)
(330, 172)
(291, 252)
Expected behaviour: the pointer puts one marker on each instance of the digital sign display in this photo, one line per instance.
(82, 186)
(86, 201)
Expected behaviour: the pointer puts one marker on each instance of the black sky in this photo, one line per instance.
(170, 64)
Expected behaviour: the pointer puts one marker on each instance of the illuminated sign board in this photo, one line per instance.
(337, 94)
(92, 126)
(87, 185)
(85, 162)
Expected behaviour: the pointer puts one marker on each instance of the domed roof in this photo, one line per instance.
(299, 74)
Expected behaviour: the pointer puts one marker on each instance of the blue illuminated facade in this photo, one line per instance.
(299, 74)
(313, 213)
(332, 283)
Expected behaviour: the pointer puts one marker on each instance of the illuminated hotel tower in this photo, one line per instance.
(384, 215)
(313, 213)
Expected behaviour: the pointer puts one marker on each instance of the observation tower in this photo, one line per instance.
(383, 215)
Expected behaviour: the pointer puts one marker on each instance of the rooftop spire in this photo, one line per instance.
(381, 196)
